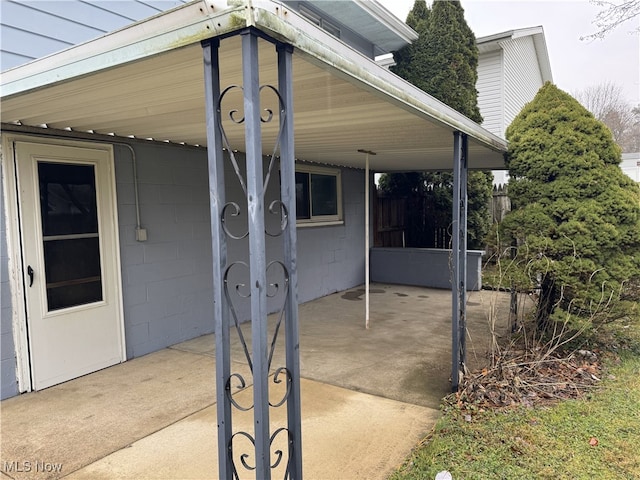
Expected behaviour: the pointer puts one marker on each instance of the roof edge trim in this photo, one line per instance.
(384, 16)
(327, 52)
(188, 24)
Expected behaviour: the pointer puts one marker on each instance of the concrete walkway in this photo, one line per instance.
(368, 396)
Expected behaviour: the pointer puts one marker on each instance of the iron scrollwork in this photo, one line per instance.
(236, 292)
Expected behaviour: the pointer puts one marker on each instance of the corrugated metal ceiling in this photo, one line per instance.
(162, 97)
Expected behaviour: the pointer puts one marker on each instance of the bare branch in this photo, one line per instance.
(607, 103)
(615, 13)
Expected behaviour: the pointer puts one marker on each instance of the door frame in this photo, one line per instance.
(15, 246)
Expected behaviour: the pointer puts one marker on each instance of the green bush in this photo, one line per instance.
(576, 215)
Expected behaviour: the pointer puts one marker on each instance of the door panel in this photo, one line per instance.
(70, 256)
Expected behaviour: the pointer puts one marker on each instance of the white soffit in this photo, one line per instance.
(342, 100)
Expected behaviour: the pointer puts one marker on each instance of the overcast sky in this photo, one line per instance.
(575, 64)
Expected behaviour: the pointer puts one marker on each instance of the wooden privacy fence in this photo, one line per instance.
(500, 203)
(410, 222)
(418, 222)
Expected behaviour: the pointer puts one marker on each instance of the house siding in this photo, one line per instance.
(33, 29)
(490, 88)
(167, 280)
(522, 74)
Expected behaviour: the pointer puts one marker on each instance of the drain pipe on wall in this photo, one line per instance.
(141, 233)
(367, 200)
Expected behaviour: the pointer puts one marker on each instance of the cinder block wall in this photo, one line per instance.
(331, 259)
(167, 280)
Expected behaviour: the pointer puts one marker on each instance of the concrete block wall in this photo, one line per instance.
(167, 279)
(8, 382)
(425, 267)
(331, 259)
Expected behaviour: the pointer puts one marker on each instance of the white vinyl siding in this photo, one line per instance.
(522, 75)
(490, 88)
(33, 29)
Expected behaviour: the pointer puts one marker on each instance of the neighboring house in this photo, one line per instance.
(631, 165)
(105, 159)
(512, 67)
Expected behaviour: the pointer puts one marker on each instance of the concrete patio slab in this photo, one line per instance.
(368, 395)
(346, 435)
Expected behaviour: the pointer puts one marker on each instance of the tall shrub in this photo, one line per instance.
(576, 215)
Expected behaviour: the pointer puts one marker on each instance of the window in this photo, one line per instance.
(323, 23)
(318, 195)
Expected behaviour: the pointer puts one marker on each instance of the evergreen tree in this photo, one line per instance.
(443, 62)
(576, 215)
(451, 60)
(409, 63)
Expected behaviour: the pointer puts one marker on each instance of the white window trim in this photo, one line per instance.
(323, 220)
(320, 21)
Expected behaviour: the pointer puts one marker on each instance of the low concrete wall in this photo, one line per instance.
(425, 267)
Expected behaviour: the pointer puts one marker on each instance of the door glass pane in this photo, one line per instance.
(70, 234)
(324, 194)
(302, 195)
(67, 199)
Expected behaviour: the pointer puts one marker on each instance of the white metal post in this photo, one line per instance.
(367, 201)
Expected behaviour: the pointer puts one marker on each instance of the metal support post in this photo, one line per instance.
(459, 259)
(464, 182)
(257, 253)
(265, 455)
(288, 198)
(218, 242)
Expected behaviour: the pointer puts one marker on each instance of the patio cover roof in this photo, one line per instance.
(147, 81)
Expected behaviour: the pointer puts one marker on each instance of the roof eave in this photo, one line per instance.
(201, 20)
(327, 51)
(173, 29)
(393, 23)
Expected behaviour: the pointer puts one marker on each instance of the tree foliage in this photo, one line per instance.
(576, 215)
(443, 62)
(607, 103)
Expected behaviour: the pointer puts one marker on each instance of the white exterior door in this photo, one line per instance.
(70, 260)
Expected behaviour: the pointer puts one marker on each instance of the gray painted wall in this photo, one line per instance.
(8, 383)
(331, 259)
(422, 266)
(167, 280)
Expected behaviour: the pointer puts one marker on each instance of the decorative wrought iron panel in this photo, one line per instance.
(263, 284)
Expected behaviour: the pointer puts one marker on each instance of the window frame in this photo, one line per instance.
(320, 21)
(321, 220)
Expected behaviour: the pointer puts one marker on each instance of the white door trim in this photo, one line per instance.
(15, 248)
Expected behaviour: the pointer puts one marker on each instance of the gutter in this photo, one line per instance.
(180, 27)
(200, 20)
(327, 52)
